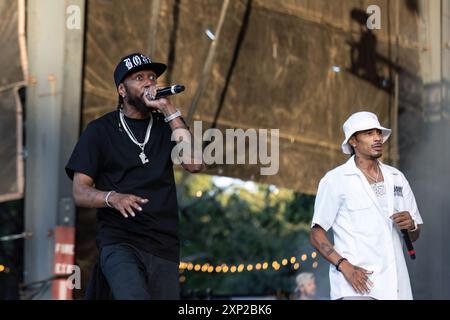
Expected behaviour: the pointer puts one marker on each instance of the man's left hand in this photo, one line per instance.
(403, 220)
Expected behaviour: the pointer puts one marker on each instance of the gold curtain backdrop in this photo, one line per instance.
(11, 80)
(272, 67)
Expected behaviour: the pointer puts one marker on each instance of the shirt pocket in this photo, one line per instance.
(357, 204)
(362, 216)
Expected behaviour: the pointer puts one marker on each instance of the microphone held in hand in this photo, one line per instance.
(409, 245)
(168, 91)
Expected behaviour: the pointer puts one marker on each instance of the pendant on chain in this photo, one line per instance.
(143, 157)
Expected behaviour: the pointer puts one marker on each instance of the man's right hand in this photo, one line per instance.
(125, 203)
(357, 277)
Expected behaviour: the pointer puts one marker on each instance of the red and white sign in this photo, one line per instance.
(64, 261)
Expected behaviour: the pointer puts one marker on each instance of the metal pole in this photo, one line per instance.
(208, 63)
(156, 5)
(55, 48)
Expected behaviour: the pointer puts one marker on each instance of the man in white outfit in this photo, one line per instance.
(366, 203)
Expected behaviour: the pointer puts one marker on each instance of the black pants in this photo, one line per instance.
(133, 274)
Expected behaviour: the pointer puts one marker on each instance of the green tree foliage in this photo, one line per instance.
(235, 225)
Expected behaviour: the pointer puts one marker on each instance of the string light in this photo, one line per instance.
(223, 268)
(2, 268)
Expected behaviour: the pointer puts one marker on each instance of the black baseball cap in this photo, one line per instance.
(136, 62)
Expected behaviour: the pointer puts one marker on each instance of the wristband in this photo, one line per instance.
(106, 199)
(339, 263)
(172, 116)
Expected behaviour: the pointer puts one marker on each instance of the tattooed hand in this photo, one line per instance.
(357, 277)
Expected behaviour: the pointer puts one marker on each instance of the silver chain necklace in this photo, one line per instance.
(378, 187)
(130, 134)
(368, 175)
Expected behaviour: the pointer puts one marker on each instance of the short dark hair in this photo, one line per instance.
(351, 147)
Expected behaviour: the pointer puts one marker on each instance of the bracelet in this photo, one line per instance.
(106, 198)
(339, 263)
(172, 116)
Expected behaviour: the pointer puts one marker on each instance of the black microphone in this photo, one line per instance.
(409, 245)
(168, 91)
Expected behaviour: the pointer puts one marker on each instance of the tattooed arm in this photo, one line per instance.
(356, 276)
(320, 241)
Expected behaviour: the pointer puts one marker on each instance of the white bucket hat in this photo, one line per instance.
(361, 121)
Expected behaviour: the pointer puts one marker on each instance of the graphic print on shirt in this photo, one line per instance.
(398, 191)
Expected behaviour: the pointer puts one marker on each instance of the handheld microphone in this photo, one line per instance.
(409, 245)
(168, 91)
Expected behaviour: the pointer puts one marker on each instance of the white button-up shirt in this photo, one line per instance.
(364, 233)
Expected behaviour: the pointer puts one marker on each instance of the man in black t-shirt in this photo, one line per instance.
(122, 166)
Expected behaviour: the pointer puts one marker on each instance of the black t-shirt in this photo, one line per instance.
(106, 154)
